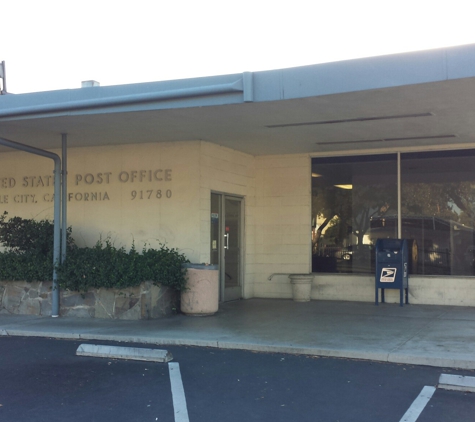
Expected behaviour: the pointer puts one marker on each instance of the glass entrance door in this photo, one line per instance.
(226, 233)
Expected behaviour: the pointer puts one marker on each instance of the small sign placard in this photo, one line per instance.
(388, 275)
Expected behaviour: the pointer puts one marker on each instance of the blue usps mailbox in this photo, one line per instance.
(391, 267)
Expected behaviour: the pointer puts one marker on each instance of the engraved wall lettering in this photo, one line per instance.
(7, 182)
(37, 181)
(24, 199)
(88, 196)
(89, 180)
(133, 176)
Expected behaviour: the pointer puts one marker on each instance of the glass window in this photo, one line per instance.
(349, 196)
(354, 202)
(438, 211)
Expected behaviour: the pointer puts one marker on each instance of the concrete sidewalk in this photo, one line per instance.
(441, 336)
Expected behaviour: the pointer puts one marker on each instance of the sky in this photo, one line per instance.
(51, 44)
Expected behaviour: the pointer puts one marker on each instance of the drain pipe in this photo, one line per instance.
(243, 85)
(274, 274)
(57, 209)
(64, 195)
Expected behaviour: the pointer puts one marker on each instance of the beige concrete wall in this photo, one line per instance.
(115, 192)
(232, 172)
(276, 192)
(118, 192)
(457, 291)
(281, 222)
(426, 290)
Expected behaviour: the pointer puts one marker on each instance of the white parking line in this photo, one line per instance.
(178, 393)
(418, 405)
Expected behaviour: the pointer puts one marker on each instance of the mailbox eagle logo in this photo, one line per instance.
(388, 275)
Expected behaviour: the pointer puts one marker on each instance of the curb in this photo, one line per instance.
(390, 357)
(457, 383)
(119, 352)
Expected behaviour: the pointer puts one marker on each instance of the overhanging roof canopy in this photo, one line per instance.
(398, 102)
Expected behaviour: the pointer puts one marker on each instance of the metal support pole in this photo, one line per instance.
(399, 208)
(64, 195)
(57, 210)
(57, 236)
(3, 77)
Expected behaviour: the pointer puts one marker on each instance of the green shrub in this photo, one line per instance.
(28, 256)
(26, 266)
(28, 248)
(104, 265)
(24, 235)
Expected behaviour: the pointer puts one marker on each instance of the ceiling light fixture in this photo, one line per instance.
(357, 119)
(409, 138)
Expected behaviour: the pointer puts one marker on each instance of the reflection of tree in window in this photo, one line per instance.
(329, 202)
(453, 201)
(444, 233)
(347, 192)
(354, 202)
(354, 209)
(371, 201)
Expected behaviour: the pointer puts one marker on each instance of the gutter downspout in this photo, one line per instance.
(399, 208)
(57, 208)
(64, 196)
(244, 85)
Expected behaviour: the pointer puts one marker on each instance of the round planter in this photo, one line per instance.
(201, 297)
(301, 286)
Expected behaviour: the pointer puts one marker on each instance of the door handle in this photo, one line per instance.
(226, 241)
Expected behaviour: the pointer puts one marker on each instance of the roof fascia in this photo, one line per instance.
(292, 83)
(366, 74)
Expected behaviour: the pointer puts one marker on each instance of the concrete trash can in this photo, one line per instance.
(201, 296)
(301, 286)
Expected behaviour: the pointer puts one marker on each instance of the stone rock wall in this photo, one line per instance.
(146, 301)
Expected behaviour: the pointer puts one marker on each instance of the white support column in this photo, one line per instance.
(399, 217)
